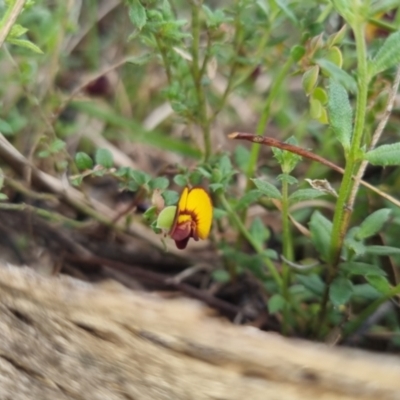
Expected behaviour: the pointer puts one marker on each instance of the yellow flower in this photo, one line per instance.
(193, 216)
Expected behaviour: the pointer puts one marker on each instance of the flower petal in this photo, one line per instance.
(198, 204)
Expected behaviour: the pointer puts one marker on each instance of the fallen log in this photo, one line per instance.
(61, 338)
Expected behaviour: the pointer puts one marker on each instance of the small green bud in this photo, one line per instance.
(315, 108)
(297, 52)
(337, 37)
(320, 94)
(334, 55)
(310, 79)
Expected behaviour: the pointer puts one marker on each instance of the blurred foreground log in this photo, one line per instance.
(64, 339)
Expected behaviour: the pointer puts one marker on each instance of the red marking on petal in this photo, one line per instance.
(181, 244)
(181, 231)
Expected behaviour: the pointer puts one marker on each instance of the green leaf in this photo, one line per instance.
(216, 186)
(3, 196)
(104, 157)
(250, 197)
(287, 11)
(150, 214)
(340, 291)
(180, 180)
(335, 56)
(378, 282)
(241, 157)
(297, 52)
(267, 188)
(17, 30)
(313, 283)
(259, 232)
(5, 128)
(44, 154)
(289, 179)
(309, 79)
(373, 223)
(355, 245)
(315, 108)
(170, 197)
(83, 161)
(140, 177)
(26, 44)
(137, 14)
(225, 165)
(77, 180)
(161, 182)
(321, 230)
(383, 250)
(365, 291)
(276, 303)
(207, 174)
(388, 55)
(360, 268)
(304, 194)
(287, 159)
(56, 146)
(340, 113)
(387, 154)
(339, 75)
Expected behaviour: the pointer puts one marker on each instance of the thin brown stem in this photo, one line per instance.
(268, 141)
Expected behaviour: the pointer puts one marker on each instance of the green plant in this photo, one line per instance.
(328, 99)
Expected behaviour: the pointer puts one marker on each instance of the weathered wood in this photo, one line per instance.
(64, 339)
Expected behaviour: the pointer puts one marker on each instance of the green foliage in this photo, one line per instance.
(104, 158)
(304, 194)
(137, 13)
(267, 188)
(321, 230)
(387, 154)
(340, 113)
(340, 291)
(276, 303)
(388, 55)
(222, 67)
(83, 161)
(373, 224)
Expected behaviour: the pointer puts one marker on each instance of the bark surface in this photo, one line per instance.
(64, 339)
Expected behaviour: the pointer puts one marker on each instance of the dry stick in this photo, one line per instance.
(16, 10)
(92, 207)
(376, 136)
(306, 154)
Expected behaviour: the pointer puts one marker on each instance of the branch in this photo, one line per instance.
(65, 339)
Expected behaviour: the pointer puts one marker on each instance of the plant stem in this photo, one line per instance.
(343, 209)
(197, 78)
(246, 234)
(377, 134)
(164, 57)
(287, 253)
